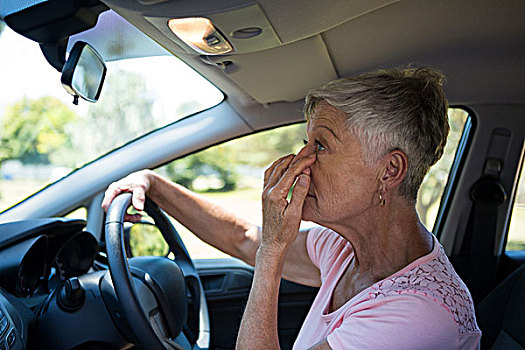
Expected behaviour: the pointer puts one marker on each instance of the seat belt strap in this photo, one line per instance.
(487, 194)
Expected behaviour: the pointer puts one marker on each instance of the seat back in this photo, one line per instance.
(501, 315)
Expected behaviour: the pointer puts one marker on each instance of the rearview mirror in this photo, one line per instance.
(84, 72)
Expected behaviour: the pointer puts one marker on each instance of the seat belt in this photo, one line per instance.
(487, 194)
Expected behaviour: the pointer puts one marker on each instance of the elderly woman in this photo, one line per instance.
(385, 281)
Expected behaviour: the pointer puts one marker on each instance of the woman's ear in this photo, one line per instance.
(396, 167)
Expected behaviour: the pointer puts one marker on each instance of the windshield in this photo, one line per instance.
(43, 136)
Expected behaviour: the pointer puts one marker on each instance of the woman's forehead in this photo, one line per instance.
(326, 115)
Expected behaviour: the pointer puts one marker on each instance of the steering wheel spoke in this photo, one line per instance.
(145, 297)
(159, 327)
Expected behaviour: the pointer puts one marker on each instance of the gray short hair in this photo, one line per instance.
(398, 108)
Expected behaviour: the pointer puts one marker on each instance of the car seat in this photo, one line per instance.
(501, 314)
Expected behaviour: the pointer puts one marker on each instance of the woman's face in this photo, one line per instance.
(342, 185)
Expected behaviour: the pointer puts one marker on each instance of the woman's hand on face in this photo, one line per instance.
(138, 184)
(281, 219)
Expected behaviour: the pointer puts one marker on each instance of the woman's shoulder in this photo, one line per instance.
(436, 280)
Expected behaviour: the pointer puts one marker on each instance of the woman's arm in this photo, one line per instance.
(281, 220)
(259, 323)
(210, 222)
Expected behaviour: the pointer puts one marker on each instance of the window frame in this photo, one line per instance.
(456, 170)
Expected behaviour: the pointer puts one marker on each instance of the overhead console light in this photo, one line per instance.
(200, 34)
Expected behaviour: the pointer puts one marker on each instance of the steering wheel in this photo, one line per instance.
(155, 304)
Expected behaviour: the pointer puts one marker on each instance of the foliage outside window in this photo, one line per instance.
(146, 239)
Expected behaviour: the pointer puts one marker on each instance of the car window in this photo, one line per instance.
(431, 190)
(79, 213)
(516, 233)
(43, 136)
(231, 175)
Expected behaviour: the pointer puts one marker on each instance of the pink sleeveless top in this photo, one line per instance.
(423, 306)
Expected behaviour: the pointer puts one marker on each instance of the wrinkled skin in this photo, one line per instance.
(343, 187)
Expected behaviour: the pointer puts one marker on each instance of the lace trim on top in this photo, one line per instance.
(437, 280)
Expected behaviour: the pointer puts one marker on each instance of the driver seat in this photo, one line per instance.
(501, 315)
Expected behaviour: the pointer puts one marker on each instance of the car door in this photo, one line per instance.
(227, 284)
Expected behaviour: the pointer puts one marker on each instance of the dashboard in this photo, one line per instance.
(56, 291)
(37, 257)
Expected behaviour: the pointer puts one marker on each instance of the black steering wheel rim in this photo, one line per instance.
(123, 280)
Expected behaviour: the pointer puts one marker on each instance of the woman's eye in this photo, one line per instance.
(319, 147)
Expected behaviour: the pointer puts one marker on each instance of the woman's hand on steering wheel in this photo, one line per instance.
(138, 184)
